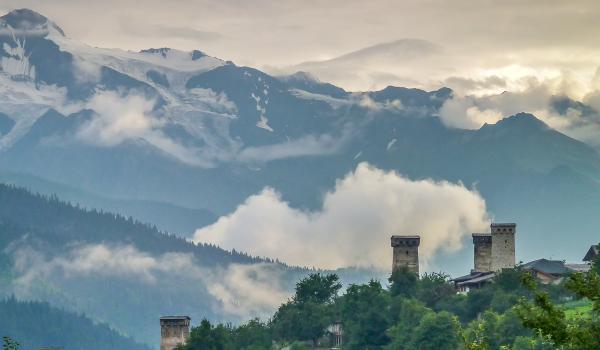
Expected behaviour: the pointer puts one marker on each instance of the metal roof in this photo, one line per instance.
(471, 276)
(592, 253)
(550, 267)
(481, 278)
(578, 267)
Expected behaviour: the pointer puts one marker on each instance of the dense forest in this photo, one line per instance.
(515, 312)
(37, 325)
(57, 223)
(49, 228)
(36, 230)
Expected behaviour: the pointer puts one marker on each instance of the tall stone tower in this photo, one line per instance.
(503, 246)
(482, 252)
(174, 330)
(406, 252)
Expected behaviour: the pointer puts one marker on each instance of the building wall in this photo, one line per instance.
(503, 246)
(482, 252)
(406, 253)
(173, 334)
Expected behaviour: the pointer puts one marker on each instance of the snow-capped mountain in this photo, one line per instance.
(194, 132)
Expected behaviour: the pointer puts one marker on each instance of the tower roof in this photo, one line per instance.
(174, 318)
(414, 240)
(503, 224)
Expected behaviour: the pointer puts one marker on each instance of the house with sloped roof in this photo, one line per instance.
(474, 280)
(548, 271)
(592, 253)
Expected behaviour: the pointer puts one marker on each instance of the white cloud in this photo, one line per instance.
(248, 290)
(244, 291)
(215, 102)
(356, 221)
(86, 71)
(310, 145)
(534, 96)
(118, 118)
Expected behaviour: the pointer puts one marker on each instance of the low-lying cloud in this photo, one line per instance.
(356, 221)
(542, 98)
(118, 118)
(243, 291)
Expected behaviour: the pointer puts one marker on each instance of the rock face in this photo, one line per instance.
(406, 252)
(174, 331)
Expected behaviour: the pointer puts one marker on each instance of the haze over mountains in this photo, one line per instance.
(251, 168)
(161, 128)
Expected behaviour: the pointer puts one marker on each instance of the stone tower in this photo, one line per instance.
(174, 330)
(482, 252)
(503, 246)
(406, 252)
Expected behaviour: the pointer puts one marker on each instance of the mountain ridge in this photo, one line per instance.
(161, 127)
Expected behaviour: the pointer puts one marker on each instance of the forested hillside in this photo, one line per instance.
(128, 274)
(56, 223)
(514, 313)
(111, 268)
(36, 325)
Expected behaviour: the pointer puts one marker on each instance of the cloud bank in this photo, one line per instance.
(356, 221)
(243, 291)
(550, 100)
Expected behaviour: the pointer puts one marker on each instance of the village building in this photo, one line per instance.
(492, 252)
(335, 332)
(592, 253)
(174, 331)
(495, 251)
(474, 280)
(406, 253)
(548, 271)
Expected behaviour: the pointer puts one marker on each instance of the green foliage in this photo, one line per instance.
(550, 320)
(35, 325)
(310, 311)
(364, 311)
(209, 337)
(403, 282)
(253, 335)
(494, 330)
(409, 313)
(438, 331)
(578, 308)
(317, 288)
(423, 314)
(51, 226)
(305, 322)
(434, 287)
(9, 344)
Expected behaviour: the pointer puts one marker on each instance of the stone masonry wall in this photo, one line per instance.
(482, 246)
(406, 252)
(503, 246)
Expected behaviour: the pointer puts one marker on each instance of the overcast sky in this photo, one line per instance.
(464, 43)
